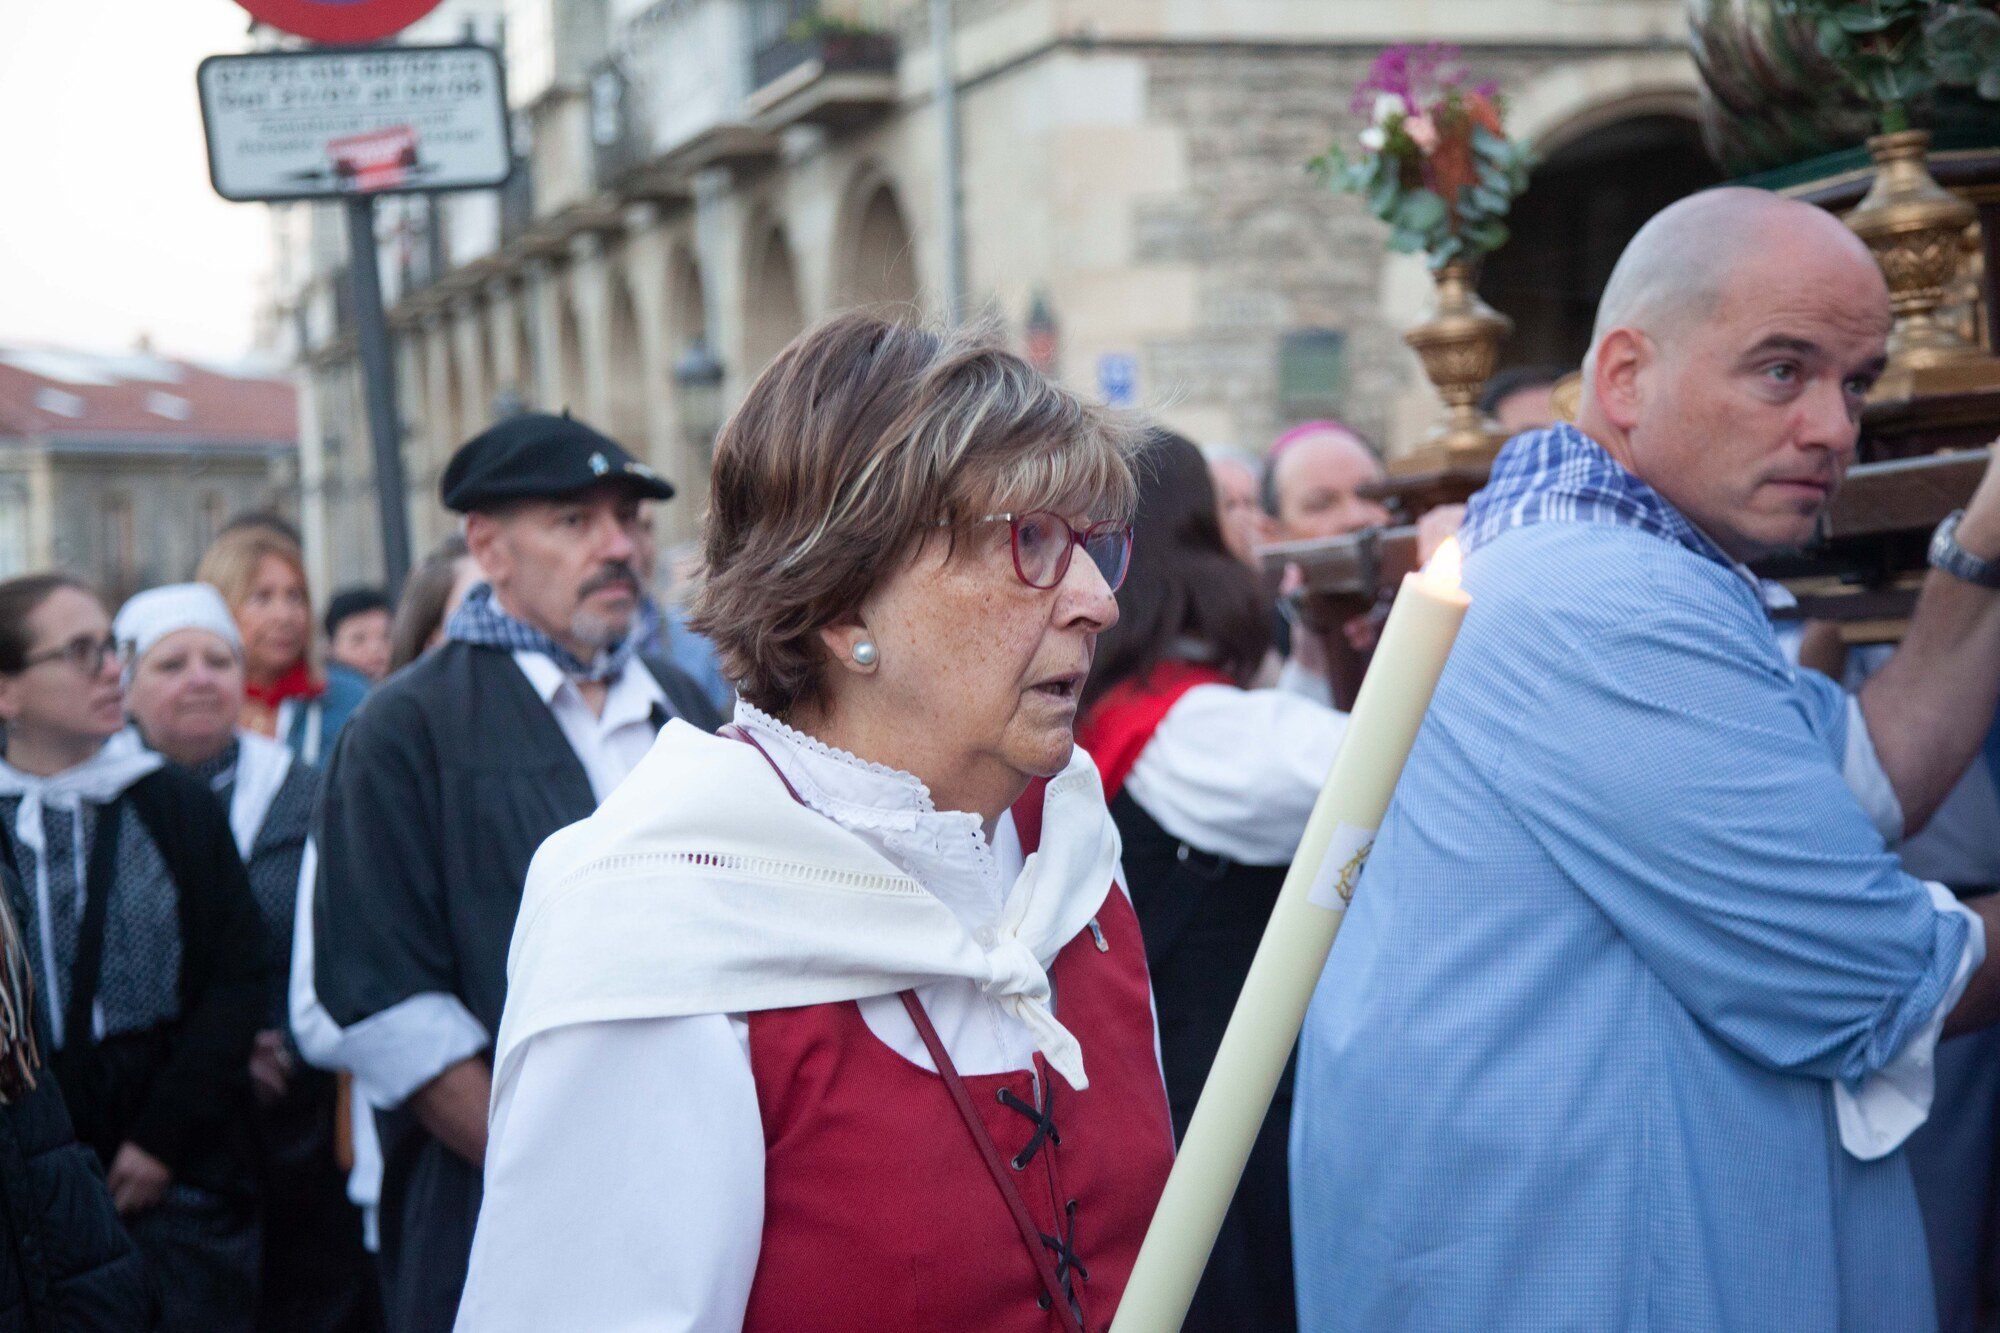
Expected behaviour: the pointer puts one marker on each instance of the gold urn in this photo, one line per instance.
(1459, 343)
(1917, 231)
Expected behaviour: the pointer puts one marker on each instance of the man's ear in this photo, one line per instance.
(1617, 369)
(486, 543)
(10, 698)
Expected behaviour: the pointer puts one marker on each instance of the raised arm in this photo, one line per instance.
(1928, 709)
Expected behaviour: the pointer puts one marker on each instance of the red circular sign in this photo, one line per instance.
(341, 22)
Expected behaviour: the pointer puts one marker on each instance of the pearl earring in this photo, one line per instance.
(865, 654)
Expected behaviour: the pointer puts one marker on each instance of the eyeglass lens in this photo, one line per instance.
(1042, 543)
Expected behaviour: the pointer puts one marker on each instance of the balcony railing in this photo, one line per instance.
(786, 34)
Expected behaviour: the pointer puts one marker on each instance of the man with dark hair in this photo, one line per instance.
(441, 789)
(357, 632)
(1519, 398)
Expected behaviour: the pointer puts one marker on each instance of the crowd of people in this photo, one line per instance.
(833, 927)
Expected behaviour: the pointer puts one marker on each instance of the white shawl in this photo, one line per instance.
(701, 886)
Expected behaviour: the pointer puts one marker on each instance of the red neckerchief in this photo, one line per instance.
(1117, 727)
(298, 683)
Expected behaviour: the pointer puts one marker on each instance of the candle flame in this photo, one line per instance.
(1441, 570)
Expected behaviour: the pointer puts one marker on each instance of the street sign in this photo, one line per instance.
(324, 124)
(340, 22)
(1118, 379)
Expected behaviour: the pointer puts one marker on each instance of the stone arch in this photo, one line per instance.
(773, 313)
(687, 304)
(483, 316)
(876, 252)
(626, 369)
(573, 378)
(526, 352)
(1601, 178)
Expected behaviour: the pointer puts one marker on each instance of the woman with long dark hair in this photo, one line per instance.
(1210, 784)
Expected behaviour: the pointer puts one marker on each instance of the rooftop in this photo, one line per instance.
(140, 399)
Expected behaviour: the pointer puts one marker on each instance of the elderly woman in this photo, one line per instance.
(261, 574)
(184, 664)
(841, 1019)
(151, 965)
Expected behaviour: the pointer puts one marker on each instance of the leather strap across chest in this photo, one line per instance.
(1061, 1300)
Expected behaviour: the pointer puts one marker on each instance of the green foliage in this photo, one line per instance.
(1398, 183)
(1896, 53)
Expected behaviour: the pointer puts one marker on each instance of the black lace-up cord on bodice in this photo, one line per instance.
(1063, 1247)
(1043, 1120)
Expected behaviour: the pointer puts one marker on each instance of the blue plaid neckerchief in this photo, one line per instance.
(480, 620)
(1561, 475)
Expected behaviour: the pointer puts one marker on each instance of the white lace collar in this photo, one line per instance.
(944, 850)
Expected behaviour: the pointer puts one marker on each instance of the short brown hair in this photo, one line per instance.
(859, 438)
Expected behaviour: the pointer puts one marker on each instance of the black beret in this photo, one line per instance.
(538, 455)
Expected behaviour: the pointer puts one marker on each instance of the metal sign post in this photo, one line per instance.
(378, 386)
(349, 125)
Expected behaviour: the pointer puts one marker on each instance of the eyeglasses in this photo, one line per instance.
(1043, 543)
(86, 655)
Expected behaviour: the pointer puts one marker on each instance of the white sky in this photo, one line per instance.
(108, 226)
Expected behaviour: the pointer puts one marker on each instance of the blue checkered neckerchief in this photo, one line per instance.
(1561, 475)
(480, 620)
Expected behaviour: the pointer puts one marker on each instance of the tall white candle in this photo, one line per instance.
(1401, 679)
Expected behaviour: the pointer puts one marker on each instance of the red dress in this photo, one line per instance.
(879, 1214)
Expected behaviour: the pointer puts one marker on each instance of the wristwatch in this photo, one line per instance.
(1947, 555)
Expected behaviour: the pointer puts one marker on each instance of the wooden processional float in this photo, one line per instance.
(1928, 205)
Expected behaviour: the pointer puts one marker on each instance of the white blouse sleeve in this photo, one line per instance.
(1235, 772)
(624, 1182)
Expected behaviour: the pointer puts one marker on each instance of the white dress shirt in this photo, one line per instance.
(609, 744)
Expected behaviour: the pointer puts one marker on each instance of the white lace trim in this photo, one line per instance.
(916, 835)
(749, 715)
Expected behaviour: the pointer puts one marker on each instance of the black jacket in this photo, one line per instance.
(66, 1264)
(181, 1091)
(439, 791)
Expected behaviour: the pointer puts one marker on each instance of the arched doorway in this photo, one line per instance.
(625, 382)
(569, 359)
(1582, 205)
(772, 312)
(882, 272)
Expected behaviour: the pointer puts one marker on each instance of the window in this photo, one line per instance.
(1312, 373)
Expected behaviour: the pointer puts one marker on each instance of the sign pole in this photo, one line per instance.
(378, 387)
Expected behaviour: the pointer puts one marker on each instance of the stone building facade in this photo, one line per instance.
(703, 178)
(120, 467)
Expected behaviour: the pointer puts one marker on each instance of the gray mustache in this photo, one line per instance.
(614, 576)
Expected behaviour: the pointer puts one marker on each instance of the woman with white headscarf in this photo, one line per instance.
(149, 960)
(184, 663)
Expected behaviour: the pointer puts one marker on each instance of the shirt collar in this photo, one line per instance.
(1562, 475)
(631, 695)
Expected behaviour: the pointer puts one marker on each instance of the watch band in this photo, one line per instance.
(1946, 554)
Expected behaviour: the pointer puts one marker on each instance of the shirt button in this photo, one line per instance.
(986, 936)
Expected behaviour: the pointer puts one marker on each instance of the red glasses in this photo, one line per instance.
(1043, 543)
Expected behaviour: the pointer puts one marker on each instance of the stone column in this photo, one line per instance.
(467, 347)
(512, 363)
(590, 288)
(545, 328)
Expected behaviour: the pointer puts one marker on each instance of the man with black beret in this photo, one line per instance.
(442, 787)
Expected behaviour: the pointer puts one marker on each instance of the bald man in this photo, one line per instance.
(1635, 1006)
(1313, 479)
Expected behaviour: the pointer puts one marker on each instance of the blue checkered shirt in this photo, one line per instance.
(1571, 1062)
